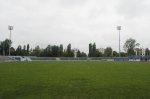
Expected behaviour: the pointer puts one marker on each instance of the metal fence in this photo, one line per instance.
(130, 58)
(80, 58)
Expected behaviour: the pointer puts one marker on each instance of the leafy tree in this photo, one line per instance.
(19, 50)
(94, 50)
(52, 51)
(12, 50)
(69, 48)
(5, 46)
(28, 48)
(36, 51)
(24, 47)
(122, 54)
(61, 50)
(130, 45)
(115, 54)
(147, 51)
(1, 48)
(98, 54)
(48, 51)
(55, 51)
(81, 54)
(131, 52)
(69, 51)
(108, 52)
(24, 50)
(90, 50)
(78, 53)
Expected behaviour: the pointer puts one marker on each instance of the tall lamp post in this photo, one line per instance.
(10, 28)
(75, 52)
(119, 29)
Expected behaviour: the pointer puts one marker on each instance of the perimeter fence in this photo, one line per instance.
(130, 58)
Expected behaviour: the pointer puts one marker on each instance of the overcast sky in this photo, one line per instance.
(79, 22)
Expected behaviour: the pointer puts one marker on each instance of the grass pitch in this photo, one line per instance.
(75, 80)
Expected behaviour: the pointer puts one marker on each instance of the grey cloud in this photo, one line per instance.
(70, 3)
(79, 22)
(133, 8)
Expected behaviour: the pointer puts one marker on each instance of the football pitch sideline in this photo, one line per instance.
(75, 80)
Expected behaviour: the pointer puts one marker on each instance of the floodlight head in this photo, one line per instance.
(118, 27)
(10, 27)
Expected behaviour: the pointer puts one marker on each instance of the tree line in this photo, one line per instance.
(49, 51)
(130, 48)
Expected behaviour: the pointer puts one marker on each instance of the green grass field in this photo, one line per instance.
(75, 80)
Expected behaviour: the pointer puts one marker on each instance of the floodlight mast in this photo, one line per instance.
(75, 52)
(119, 29)
(10, 28)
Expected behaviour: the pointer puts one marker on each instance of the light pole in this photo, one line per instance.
(10, 28)
(75, 52)
(119, 29)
